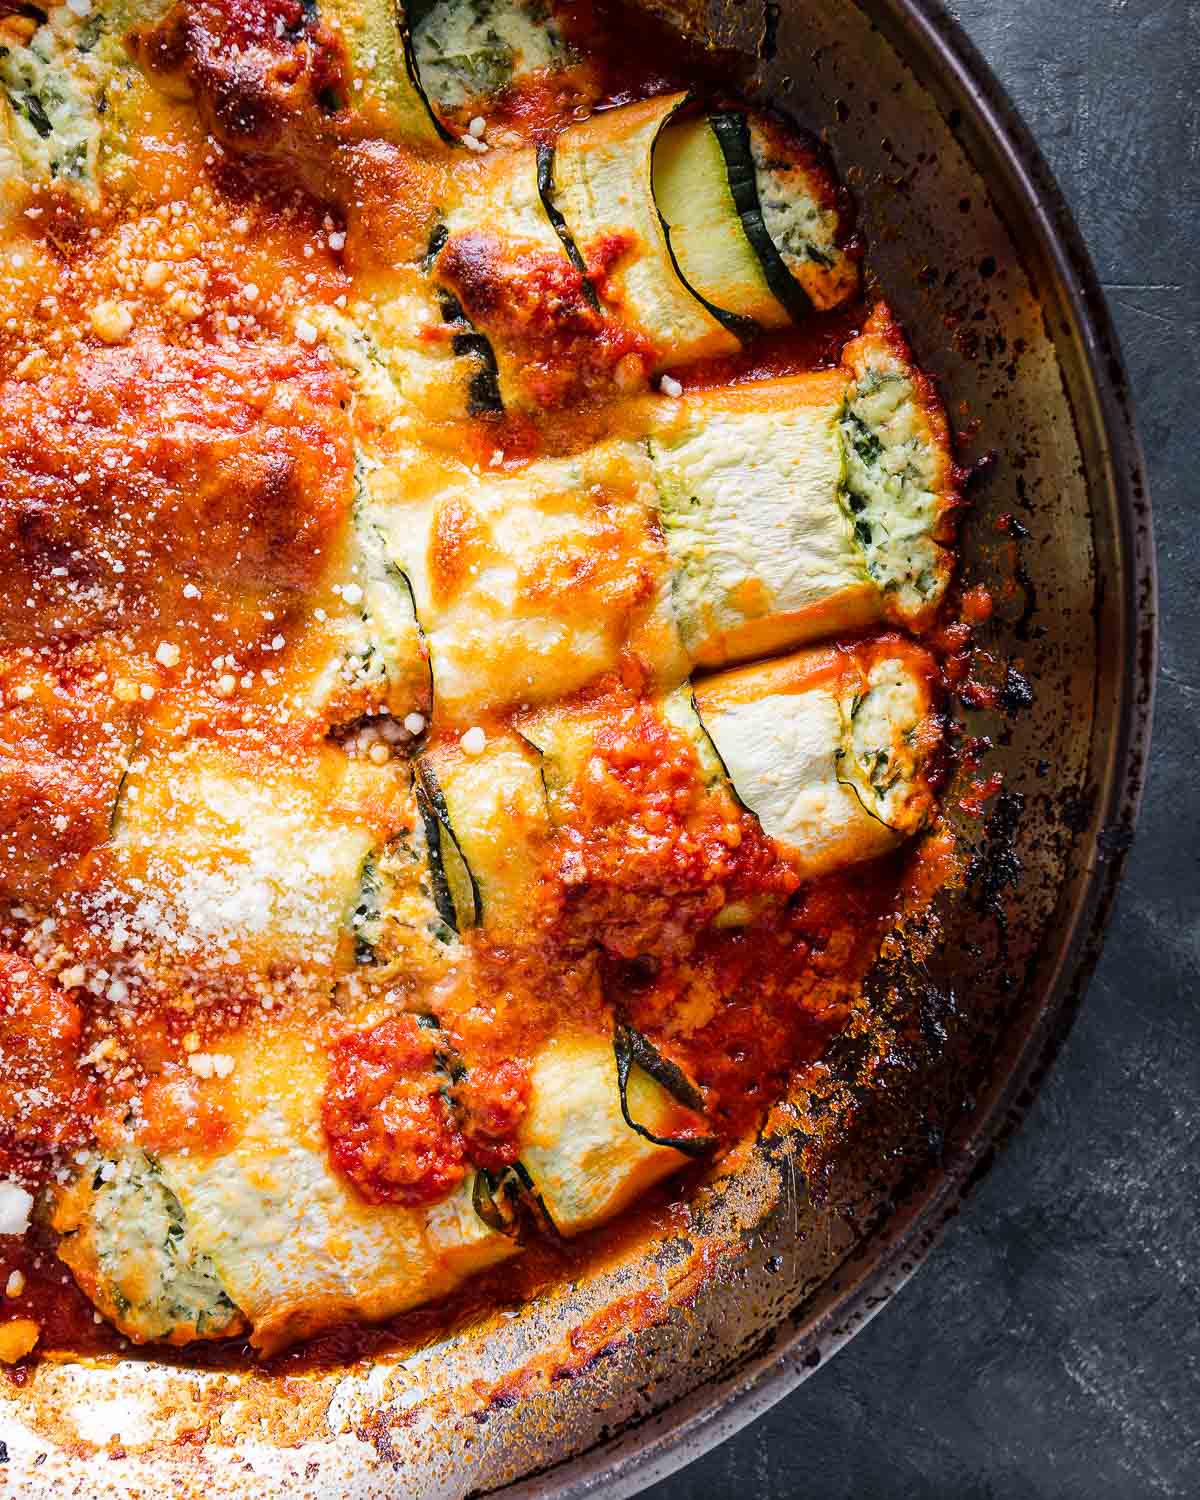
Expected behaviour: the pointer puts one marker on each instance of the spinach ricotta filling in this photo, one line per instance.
(134, 1253)
(52, 119)
(469, 50)
(802, 230)
(890, 487)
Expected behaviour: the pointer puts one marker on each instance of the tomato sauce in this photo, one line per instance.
(389, 1126)
(48, 1099)
(648, 855)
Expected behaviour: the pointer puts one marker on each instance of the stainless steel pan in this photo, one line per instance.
(615, 1376)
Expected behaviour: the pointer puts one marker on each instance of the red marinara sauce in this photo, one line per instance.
(390, 1127)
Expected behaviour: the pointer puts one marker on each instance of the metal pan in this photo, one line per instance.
(622, 1369)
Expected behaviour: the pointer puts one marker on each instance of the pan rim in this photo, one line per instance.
(661, 1444)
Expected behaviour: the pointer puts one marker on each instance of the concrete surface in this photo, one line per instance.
(1051, 1345)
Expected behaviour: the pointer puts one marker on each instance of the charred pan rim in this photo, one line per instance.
(1023, 189)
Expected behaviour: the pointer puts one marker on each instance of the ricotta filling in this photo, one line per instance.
(52, 123)
(155, 1277)
(890, 485)
(803, 231)
(471, 49)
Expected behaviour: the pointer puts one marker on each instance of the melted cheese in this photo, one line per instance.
(530, 585)
(227, 869)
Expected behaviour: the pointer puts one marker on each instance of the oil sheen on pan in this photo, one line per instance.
(480, 641)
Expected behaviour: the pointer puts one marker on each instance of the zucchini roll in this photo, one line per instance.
(749, 483)
(239, 859)
(500, 267)
(238, 870)
(829, 748)
(403, 372)
(754, 219)
(125, 1237)
(709, 228)
(531, 584)
(338, 70)
(600, 192)
(263, 1230)
(606, 1118)
(485, 813)
(806, 507)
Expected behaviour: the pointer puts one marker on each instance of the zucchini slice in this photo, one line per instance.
(396, 922)
(585, 1159)
(508, 1202)
(633, 1050)
(710, 207)
(484, 398)
(495, 808)
(754, 218)
(600, 185)
(369, 658)
(829, 748)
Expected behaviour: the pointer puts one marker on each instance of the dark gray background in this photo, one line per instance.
(1051, 1346)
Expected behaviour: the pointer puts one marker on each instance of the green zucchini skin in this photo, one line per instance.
(545, 182)
(632, 1048)
(484, 398)
(732, 131)
(455, 890)
(508, 1202)
(483, 388)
